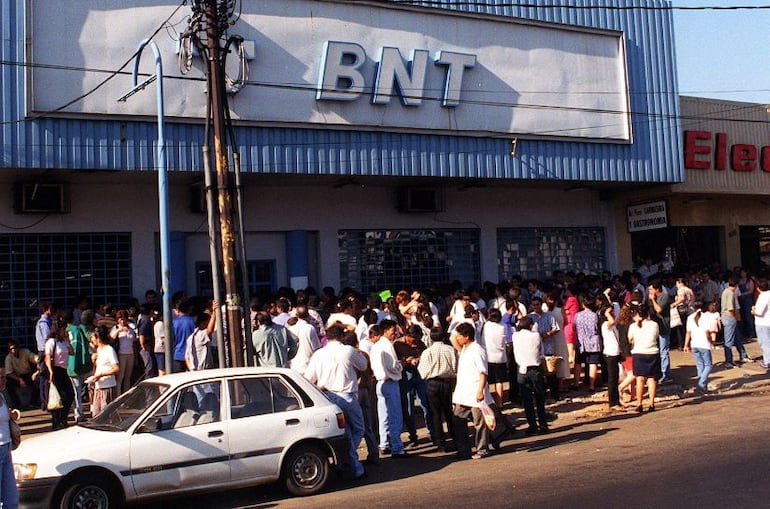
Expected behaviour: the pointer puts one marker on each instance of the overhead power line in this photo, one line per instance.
(529, 5)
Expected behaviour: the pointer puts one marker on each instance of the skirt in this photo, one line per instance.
(646, 365)
(498, 372)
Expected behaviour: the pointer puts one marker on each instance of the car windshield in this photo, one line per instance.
(123, 412)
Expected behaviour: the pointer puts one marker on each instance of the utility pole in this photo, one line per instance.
(214, 11)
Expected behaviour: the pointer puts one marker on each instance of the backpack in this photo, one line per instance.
(78, 363)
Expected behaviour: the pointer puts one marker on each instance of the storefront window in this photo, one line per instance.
(537, 252)
(755, 247)
(58, 267)
(375, 260)
(261, 278)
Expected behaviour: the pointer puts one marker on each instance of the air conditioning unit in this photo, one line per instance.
(420, 199)
(41, 198)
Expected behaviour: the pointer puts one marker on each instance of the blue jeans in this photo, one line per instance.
(354, 425)
(390, 417)
(732, 338)
(665, 360)
(9, 497)
(763, 338)
(702, 358)
(79, 387)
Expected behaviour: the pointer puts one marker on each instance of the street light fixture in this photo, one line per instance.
(162, 189)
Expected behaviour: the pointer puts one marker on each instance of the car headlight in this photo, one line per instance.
(24, 471)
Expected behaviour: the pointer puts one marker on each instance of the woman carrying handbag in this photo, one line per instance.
(57, 351)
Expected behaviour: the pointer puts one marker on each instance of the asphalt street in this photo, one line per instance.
(700, 452)
(693, 451)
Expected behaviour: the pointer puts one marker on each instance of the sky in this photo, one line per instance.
(723, 54)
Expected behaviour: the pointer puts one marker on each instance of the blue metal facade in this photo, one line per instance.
(112, 145)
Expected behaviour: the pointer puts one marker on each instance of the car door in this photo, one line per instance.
(266, 416)
(183, 445)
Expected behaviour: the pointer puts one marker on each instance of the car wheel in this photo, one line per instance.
(94, 492)
(305, 470)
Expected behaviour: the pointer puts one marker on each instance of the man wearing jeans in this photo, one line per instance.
(388, 371)
(730, 317)
(333, 369)
(660, 304)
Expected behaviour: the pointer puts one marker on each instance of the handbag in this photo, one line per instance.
(15, 434)
(54, 398)
(489, 415)
(552, 363)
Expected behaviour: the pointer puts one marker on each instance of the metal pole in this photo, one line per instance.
(216, 96)
(213, 252)
(162, 191)
(244, 262)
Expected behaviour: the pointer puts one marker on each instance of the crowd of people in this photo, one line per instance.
(428, 357)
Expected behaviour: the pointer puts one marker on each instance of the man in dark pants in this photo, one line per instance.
(528, 351)
(438, 367)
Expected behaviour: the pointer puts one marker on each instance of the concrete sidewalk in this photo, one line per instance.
(580, 404)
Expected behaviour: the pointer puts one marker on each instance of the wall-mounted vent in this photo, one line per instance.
(420, 199)
(41, 198)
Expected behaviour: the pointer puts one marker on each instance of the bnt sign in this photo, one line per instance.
(700, 153)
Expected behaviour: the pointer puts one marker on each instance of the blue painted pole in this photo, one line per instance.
(162, 199)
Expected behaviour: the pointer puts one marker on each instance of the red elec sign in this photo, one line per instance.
(699, 153)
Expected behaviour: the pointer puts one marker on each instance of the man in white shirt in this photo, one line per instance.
(761, 313)
(528, 350)
(306, 337)
(387, 370)
(333, 369)
(282, 306)
(471, 390)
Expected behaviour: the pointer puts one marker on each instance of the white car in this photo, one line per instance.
(186, 433)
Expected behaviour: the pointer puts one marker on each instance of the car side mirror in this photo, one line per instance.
(151, 426)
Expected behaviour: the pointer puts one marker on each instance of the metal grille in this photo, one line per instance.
(376, 260)
(262, 280)
(58, 267)
(537, 252)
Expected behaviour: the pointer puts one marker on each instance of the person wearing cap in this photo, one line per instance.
(20, 365)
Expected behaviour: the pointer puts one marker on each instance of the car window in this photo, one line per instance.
(121, 413)
(191, 405)
(261, 395)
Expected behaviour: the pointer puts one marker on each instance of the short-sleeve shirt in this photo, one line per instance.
(470, 365)
(58, 352)
(105, 359)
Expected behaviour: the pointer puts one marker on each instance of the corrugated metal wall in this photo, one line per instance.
(654, 155)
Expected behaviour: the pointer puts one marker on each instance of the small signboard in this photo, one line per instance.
(647, 216)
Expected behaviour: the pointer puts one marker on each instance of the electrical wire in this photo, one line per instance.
(99, 85)
(651, 117)
(525, 5)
